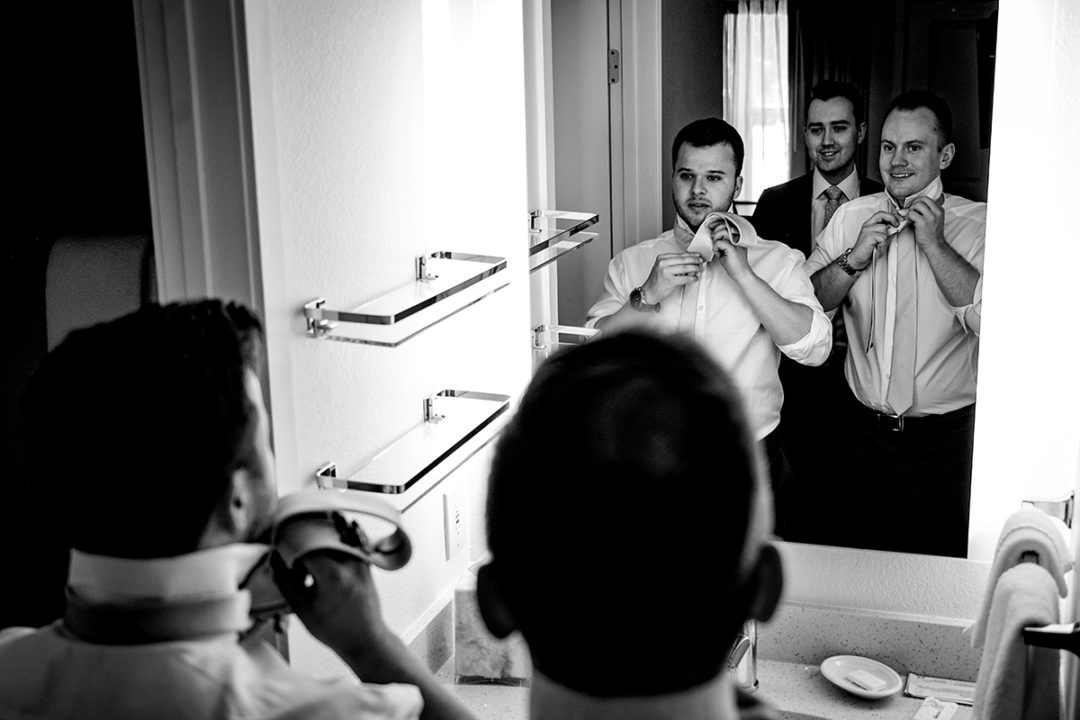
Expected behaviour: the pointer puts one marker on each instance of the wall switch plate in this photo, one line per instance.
(454, 521)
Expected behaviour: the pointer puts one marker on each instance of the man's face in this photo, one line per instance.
(911, 153)
(261, 472)
(832, 137)
(704, 181)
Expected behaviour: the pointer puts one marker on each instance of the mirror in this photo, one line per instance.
(888, 47)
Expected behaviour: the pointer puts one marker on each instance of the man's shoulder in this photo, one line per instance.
(970, 210)
(664, 242)
(795, 185)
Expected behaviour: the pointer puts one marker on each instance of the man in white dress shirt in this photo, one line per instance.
(906, 266)
(155, 426)
(748, 304)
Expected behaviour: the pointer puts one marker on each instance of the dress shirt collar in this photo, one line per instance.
(934, 190)
(850, 184)
(715, 700)
(214, 573)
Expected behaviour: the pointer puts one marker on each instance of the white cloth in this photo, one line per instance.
(50, 673)
(947, 356)
(717, 314)
(850, 187)
(1016, 682)
(1025, 531)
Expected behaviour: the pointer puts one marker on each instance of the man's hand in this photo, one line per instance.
(874, 235)
(334, 595)
(731, 255)
(928, 218)
(669, 271)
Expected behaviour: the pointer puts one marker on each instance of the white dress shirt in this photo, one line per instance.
(52, 673)
(850, 188)
(947, 352)
(715, 312)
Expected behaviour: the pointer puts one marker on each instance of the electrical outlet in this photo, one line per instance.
(454, 521)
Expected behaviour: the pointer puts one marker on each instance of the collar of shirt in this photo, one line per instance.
(713, 700)
(934, 190)
(212, 573)
(850, 185)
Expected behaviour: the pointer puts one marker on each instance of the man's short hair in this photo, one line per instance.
(915, 99)
(141, 422)
(707, 132)
(829, 89)
(618, 510)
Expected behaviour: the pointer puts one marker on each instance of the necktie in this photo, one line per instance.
(902, 376)
(834, 198)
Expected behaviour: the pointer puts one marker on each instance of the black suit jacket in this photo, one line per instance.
(783, 212)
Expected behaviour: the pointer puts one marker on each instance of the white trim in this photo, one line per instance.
(193, 74)
(637, 160)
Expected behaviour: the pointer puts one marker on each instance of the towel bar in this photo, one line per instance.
(1055, 637)
(1062, 508)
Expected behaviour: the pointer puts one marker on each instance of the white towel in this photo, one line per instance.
(1026, 530)
(1016, 682)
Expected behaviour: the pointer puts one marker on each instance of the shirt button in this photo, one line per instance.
(701, 308)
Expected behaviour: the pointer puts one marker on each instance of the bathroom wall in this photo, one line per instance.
(384, 131)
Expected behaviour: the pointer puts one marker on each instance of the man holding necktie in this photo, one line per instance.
(905, 266)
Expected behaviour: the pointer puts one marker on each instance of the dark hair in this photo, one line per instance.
(915, 99)
(829, 89)
(617, 515)
(706, 133)
(141, 422)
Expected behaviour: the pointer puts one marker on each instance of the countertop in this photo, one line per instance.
(792, 688)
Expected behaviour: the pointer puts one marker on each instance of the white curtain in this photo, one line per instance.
(756, 90)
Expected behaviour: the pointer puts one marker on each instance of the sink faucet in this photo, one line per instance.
(742, 660)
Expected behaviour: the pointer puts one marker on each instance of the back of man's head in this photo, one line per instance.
(140, 422)
(619, 508)
(707, 132)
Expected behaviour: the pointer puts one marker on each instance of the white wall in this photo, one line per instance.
(384, 131)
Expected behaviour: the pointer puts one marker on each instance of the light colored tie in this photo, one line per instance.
(834, 198)
(902, 376)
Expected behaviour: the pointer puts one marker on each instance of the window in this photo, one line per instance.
(756, 96)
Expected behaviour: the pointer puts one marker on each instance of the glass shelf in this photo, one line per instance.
(446, 283)
(550, 232)
(457, 423)
(557, 248)
(549, 338)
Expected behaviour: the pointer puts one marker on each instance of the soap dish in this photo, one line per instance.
(861, 676)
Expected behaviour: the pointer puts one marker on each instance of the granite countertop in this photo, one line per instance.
(792, 688)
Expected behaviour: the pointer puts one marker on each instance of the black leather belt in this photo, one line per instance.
(900, 423)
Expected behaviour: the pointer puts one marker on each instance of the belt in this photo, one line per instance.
(900, 423)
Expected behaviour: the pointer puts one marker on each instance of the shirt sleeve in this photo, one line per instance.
(616, 292)
(813, 347)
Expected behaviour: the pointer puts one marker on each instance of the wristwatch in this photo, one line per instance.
(842, 261)
(637, 302)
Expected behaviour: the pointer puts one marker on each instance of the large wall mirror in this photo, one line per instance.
(884, 48)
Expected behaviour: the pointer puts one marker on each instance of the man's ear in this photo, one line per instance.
(947, 154)
(493, 609)
(768, 581)
(738, 189)
(862, 132)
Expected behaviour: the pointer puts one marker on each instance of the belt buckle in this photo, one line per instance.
(891, 422)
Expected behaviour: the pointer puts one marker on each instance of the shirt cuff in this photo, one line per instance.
(813, 347)
(970, 316)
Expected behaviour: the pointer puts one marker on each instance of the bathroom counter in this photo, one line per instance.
(791, 688)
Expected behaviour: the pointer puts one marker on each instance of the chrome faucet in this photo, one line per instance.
(742, 660)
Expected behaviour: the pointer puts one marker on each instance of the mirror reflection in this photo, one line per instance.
(878, 436)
